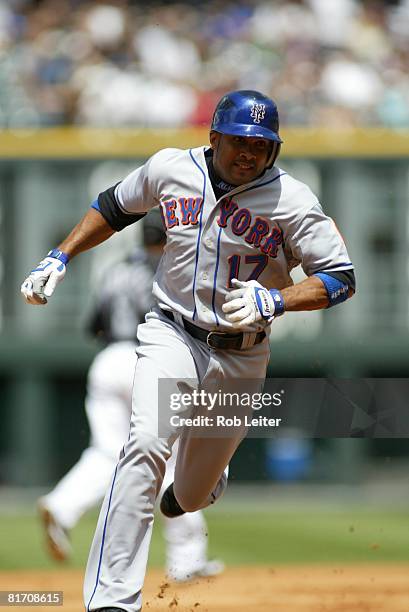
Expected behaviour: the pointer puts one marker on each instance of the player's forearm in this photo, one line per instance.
(309, 294)
(92, 230)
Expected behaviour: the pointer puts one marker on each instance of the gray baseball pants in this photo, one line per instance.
(119, 552)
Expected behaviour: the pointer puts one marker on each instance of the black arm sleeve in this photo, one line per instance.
(347, 277)
(113, 213)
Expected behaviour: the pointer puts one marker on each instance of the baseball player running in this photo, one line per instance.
(236, 226)
(120, 306)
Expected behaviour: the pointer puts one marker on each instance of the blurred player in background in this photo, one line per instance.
(120, 306)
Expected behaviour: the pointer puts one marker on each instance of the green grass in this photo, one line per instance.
(241, 538)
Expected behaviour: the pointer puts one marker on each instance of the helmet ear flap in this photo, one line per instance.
(275, 152)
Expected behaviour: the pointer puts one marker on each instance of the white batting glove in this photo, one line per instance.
(42, 281)
(251, 302)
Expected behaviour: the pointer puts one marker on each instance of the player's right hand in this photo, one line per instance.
(42, 281)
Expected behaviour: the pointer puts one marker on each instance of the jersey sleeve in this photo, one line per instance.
(140, 190)
(317, 244)
(109, 208)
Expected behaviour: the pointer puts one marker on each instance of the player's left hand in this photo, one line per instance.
(249, 303)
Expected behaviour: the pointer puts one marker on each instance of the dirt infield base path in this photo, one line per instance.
(353, 588)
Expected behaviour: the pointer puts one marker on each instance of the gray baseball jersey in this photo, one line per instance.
(259, 231)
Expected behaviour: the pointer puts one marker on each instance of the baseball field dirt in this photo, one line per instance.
(301, 588)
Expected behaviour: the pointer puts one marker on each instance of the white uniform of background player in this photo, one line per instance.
(120, 305)
(236, 226)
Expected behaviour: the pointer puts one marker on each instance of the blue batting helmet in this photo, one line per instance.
(247, 113)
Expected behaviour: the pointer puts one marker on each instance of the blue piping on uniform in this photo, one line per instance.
(103, 539)
(260, 185)
(218, 248)
(215, 276)
(199, 234)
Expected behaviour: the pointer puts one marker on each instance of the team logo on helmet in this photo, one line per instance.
(257, 112)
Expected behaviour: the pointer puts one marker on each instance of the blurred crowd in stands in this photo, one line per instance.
(124, 63)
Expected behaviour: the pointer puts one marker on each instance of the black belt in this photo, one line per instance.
(215, 339)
